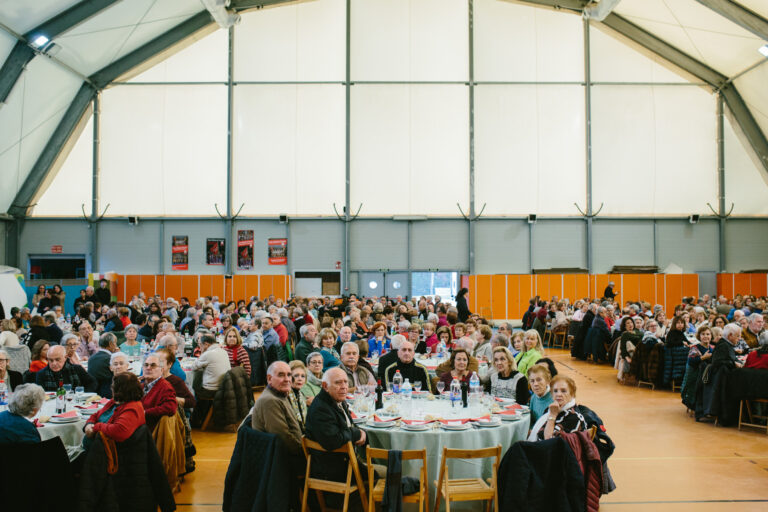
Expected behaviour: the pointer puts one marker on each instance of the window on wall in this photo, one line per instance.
(430, 284)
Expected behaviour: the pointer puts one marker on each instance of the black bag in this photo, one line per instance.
(605, 445)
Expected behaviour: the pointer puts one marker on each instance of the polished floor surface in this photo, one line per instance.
(664, 460)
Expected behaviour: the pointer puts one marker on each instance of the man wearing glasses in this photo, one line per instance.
(159, 397)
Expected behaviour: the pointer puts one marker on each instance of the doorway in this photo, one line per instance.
(63, 266)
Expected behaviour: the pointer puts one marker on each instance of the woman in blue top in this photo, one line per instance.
(538, 378)
(16, 423)
(130, 346)
(379, 342)
(331, 357)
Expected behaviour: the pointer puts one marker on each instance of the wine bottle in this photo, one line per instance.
(379, 395)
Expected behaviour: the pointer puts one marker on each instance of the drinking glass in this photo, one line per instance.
(417, 386)
(79, 390)
(389, 387)
(429, 351)
(440, 387)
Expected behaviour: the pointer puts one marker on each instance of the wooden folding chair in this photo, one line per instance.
(346, 488)
(468, 489)
(560, 333)
(376, 493)
(751, 416)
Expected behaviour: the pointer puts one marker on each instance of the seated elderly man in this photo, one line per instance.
(306, 344)
(752, 332)
(356, 374)
(274, 414)
(54, 332)
(87, 342)
(159, 396)
(170, 342)
(59, 370)
(98, 364)
(214, 363)
(16, 423)
(408, 367)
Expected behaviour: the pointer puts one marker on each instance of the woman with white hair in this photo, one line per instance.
(758, 358)
(724, 354)
(19, 355)
(15, 424)
(130, 346)
(10, 377)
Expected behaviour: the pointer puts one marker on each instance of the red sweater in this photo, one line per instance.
(160, 401)
(239, 357)
(282, 333)
(756, 360)
(123, 423)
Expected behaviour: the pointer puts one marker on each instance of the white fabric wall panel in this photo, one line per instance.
(376, 244)
(23, 16)
(300, 42)
(522, 43)
(614, 60)
(653, 149)
(752, 87)
(693, 247)
(164, 149)
(7, 42)
(315, 245)
(202, 61)
(501, 247)
(441, 244)
(409, 149)
(130, 249)
(746, 245)
(621, 242)
(529, 149)
(409, 40)
(758, 6)
(745, 183)
(295, 132)
(29, 116)
(70, 187)
(559, 244)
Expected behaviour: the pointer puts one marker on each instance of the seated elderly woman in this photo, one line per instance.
(758, 358)
(379, 342)
(39, 356)
(562, 414)
(504, 381)
(70, 343)
(184, 397)
(233, 346)
(12, 379)
(539, 377)
(444, 336)
(459, 368)
(15, 423)
(159, 396)
(532, 351)
(295, 396)
(122, 415)
(331, 357)
(483, 349)
(699, 352)
(314, 382)
(131, 346)
(171, 343)
(118, 363)
(630, 338)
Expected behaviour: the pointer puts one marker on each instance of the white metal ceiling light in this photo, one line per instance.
(763, 50)
(219, 12)
(40, 41)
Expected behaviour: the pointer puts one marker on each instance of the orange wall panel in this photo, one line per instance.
(661, 294)
(526, 292)
(238, 288)
(541, 286)
(674, 292)
(173, 286)
(148, 285)
(513, 296)
(190, 287)
(582, 287)
(472, 300)
(132, 286)
(205, 285)
(630, 288)
(569, 287)
(741, 284)
(278, 287)
(498, 296)
(251, 287)
(601, 281)
(646, 289)
(727, 286)
(266, 286)
(483, 284)
(217, 286)
(160, 285)
(690, 285)
(759, 284)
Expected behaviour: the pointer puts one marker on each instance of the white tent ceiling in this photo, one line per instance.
(38, 99)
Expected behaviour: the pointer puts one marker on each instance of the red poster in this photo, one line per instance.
(277, 251)
(245, 249)
(180, 253)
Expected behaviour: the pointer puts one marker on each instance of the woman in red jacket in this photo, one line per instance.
(758, 358)
(122, 415)
(233, 344)
(159, 397)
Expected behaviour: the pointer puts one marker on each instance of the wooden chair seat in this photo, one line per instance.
(468, 489)
(745, 404)
(346, 488)
(376, 493)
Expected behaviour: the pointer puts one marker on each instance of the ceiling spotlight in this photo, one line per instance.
(40, 40)
(763, 50)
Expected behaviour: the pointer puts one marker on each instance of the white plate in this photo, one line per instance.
(65, 420)
(504, 401)
(381, 424)
(487, 424)
(87, 394)
(88, 412)
(465, 426)
(510, 417)
(415, 428)
(359, 420)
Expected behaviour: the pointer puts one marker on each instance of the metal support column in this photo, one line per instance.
(162, 248)
(470, 17)
(588, 138)
(95, 186)
(347, 217)
(408, 247)
(721, 178)
(530, 248)
(655, 243)
(231, 241)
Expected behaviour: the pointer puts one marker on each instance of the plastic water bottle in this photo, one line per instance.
(397, 382)
(3, 393)
(406, 390)
(455, 391)
(474, 388)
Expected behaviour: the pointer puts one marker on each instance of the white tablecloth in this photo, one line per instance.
(71, 434)
(435, 439)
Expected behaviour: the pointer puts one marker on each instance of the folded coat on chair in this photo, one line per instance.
(169, 438)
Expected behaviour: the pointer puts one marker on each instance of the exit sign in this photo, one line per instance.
(56, 249)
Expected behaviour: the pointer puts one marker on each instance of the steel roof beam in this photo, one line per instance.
(740, 15)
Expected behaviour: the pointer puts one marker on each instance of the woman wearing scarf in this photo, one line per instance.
(562, 415)
(314, 383)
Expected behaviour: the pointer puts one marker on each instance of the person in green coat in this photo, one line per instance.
(531, 353)
(314, 376)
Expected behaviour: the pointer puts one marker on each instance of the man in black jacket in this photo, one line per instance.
(409, 368)
(98, 364)
(61, 370)
(103, 294)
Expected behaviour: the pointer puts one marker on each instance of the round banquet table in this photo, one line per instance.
(435, 438)
(71, 434)
(431, 364)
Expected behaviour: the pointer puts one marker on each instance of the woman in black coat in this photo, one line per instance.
(461, 305)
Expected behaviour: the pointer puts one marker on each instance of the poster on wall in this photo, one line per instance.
(180, 253)
(244, 249)
(277, 251)
(214, 251)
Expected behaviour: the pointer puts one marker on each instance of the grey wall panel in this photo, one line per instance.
(197, 231)
(441, 244)
(692, 247)
(746, 244)
(315, 244)
(559, 244)
(130, 249)
(621, 242)
(3, 244)
(37, 237)
(378, 244)
(262, 232)
(501, 247)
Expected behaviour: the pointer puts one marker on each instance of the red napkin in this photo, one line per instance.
(70, 414)
(431, 367)
(514, 407)
(92, 406)
(37, 424)
(487, 417)
(103, 401)
(377, 419)
(417, 422)
(454, 422)
(508, 412)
